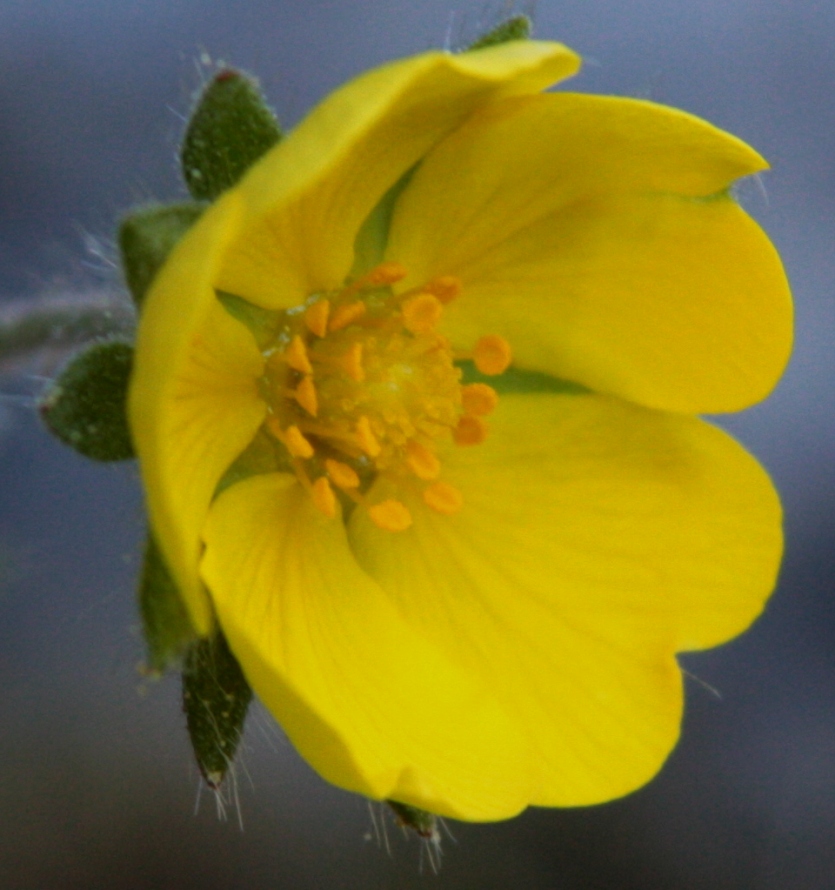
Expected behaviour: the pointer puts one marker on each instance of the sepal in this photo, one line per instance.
(147, 236)
(216, 697)
(517, 27)
(165, 623)
(86, 406)
(230, 128)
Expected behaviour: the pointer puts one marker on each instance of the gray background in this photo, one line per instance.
(96, 783)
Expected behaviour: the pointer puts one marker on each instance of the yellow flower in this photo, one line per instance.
(467, 596)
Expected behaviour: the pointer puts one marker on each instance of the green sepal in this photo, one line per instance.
(147, 236)
(517, 27)
(216, 696)
(424, 824)
(166, 626)
(230, 128)
(517, 380)
(86, 407)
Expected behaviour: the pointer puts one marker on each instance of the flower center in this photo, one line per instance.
(360, 383)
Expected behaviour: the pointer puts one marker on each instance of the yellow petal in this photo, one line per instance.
(594, 215)
(307, 197)
(368, 702)
(596, 539)
(194, 405)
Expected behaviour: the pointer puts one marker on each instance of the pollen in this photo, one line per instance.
(316, 317)
(296, 356)
(443, 498)
(323, 497)
(470, 431)
(492, 355)
(422, 313)
(421, 461)
(344, 315)
(305, 395)
(478, 399)
(295, 442)
(341, 474)
(362, 385)
(390, 515)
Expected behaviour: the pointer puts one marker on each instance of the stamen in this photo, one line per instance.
(443, 498)
(391, 516)
(470, 431)
(305, 395)
(323, 497)
(421, 461)
(296, 356)
(316, 317)
(341, 474)
(352, 363)
(492, 355)
(446, 288)
(345, 315)
(422, 313)
(292, 439)
(367, 440)
(478, 399)
(379, 276)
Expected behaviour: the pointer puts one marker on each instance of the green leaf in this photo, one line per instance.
(86, 407)
(231, 127)
(165, 622)
(518, 27)
(216, 697)
(147, 236)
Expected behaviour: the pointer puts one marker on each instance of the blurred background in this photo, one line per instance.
(97, 786)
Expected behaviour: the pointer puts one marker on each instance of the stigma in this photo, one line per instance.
(362, 384)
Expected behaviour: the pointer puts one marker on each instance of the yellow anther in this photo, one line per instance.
(386, 273)
(478, 399)
(295, 442)
(492, 354)
(352, 363)
(391, 516)
(443, 498)
(470, 431)
(367, 440)
(446, 288)
(421, 461)
(422, 313)
(305, 395)
(323, 497)
(316, 317)
(341, 474)
(296, 356)
(344, 315)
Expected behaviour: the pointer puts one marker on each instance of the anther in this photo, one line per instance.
(391, 516)
(294, 441)
(492, 355)
(316, 317)
(352, 363)
(341, 474)
(367, 440)
(323, 497)
(296, 356)
(478, 399)
(443, 498)
(346, 314)
(422, 313)
(446, 288)
(305, 395)
(386, 273)
(470, 431)
(421, 461)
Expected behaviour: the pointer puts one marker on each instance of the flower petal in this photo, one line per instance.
(596, 540)
(194, 405)
(308, 197)
(596, 215)
(368, 702)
